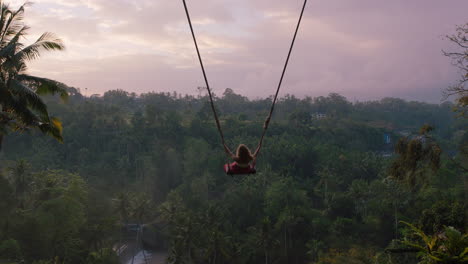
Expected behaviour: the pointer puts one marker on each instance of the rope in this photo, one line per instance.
(267, 121)
(218, 125)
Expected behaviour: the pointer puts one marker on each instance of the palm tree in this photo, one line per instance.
(417, 157)
(21, 106)
(264, 237)
(21, 181)
(449, 246)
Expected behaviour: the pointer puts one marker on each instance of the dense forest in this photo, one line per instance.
(336, 181)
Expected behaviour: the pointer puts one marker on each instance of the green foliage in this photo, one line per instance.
(416, 157)
(6, 202)
(460, 59)
(53, 218)
(103, 256)
(354, 255)
(443, 213)
(156, 159)
(10, 249)
(449, 246)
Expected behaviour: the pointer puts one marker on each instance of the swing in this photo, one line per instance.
(234, 168)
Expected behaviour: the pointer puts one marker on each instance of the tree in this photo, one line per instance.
(181, 228)
(416, 156)
(360, 191)
(460, 60)
(300, 118)
(397, 197)
(6, 205)
(286, 204)
(264, 237)
(122, 206)
(20, 178)
(21, 106)
(54, 221)
(216, 242)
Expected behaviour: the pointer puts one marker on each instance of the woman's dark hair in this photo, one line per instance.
(243, 155)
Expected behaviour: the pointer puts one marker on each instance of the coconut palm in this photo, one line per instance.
(21, 106)
(448, 247)
(21, 181)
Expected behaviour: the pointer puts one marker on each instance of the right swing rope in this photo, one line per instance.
(267, 121)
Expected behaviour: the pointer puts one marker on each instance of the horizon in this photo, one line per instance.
(359, 49)
(254, 99)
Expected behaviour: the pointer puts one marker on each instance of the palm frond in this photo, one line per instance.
(53, 128)
(22, 118)
(11, 68)
(5, 11)
(15, 106)
(46, 41)
(45, 86)
(12, 22)
(13, 44)
(418, 232)
(465, 252)
(32, 98)
(413, 245)
(5, 21)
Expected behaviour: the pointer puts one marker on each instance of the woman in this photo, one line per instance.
(244, 160)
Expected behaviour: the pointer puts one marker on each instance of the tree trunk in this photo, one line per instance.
(1, 135)
(6, 227)
(396, 220)
(1, 141)
(190, 255)
(285, 243)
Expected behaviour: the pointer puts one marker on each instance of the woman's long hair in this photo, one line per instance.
(243, 155)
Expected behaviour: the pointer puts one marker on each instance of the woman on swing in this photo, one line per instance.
(244, 160)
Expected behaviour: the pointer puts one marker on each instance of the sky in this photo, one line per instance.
(362, 49)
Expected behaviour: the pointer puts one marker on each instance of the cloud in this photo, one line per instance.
(360, 48)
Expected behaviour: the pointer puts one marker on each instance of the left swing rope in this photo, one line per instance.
(218, 125)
